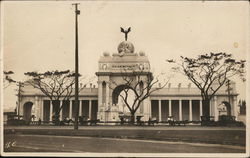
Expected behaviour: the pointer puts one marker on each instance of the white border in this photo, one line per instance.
(64, 154)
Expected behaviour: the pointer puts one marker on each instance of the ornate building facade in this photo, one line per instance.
(101, 102)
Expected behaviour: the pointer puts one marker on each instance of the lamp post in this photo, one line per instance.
(77, 12)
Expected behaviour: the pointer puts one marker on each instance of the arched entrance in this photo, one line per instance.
(224, 108)
(117, 98)
(228, 107)
(27, 107)
(117, 91)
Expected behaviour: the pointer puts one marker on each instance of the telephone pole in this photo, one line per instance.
(77, 12)
(20, 85)
(228, 84)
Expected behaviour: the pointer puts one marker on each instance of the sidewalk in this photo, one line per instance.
(193, 134)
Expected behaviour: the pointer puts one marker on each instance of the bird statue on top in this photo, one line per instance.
(126, 32)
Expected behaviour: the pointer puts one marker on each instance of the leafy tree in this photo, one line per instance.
(7, 79)
(7, 82)
(209, 73)
(141, 84)
(56, 85)
(242, 105)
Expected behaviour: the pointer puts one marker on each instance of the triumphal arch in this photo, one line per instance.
(111, 79)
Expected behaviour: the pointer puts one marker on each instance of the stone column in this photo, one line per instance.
(200, 109)
(99, 94)
(190, 110)
(159, 101)
(50, 111)
(20, 108)
(80, 107)
(180, 110)
(70, 109)
(211, 108)
(150, 110)
(42, 110)
(170, 107)
(36, 109)
(60, 104)
(235, 111)
(90, 106)
(107, 93)
(216, 115)
(142, 103)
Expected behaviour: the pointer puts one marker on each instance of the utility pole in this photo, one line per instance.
(19, 84)
(228, 84)
(77, 12)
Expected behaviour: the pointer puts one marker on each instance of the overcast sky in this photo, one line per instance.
(39, 36)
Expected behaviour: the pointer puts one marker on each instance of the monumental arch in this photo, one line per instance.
(112, 70)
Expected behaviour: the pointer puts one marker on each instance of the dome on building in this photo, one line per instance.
(125, 47)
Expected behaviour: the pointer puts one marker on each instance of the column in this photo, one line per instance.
(200, 109)
(170, 107)
(159, 101)
(41, 106)
(60, 106)
(90, 105)
(80, 107)
(142, 103)
(107, 93)
(190, 110)
(180, 110)
(36, 109)
(149, 106)
(99, 93)
(216, 115)
(50, 111)
(211, 107)
(20, 108)
(235, 111)
(70, 109)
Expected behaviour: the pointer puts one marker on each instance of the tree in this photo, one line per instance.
(7, 79)
(242, 105)
(56, 85)
(7, 82)
(142, 85)
(209, 73)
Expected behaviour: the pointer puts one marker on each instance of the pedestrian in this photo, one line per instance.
(39, 121)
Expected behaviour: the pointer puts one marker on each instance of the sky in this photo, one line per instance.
(39, 36)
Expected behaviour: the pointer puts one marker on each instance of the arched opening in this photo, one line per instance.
(122, 107)
(228, 107)
(224, 108)
(118, 92)
(27, 107)
(103, 92)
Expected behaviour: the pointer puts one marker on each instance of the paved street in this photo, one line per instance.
(157, 127)
(46, 143)
(191, 134)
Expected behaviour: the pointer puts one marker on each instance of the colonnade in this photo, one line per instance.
(170, 106)
(71, 104)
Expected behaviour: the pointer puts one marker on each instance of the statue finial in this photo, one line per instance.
(126, 32)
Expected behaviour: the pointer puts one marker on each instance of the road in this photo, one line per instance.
(191, 127)
(80, 144)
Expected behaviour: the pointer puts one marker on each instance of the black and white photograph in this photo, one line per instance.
(123, 78)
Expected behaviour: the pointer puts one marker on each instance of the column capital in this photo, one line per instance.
(215, 97)
(234, 98)
(99, 82)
